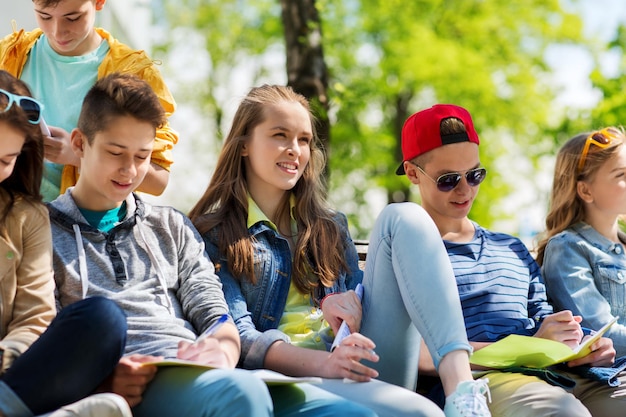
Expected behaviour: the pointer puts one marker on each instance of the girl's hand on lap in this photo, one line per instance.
(345, 360)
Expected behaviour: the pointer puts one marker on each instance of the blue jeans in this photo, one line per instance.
(182, 391)
(306, 400)
(197, 392)
(409, 292)
(80, 348)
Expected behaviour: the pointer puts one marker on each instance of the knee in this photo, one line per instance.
(348, 408)
(568, 405)
(104, 313)
(243, 390)
(411, 218)
(98, 315)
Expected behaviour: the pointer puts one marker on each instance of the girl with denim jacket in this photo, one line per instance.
(582, 255)
(289, 269)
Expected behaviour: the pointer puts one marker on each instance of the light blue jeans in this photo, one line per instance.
(182, 391)
(187, 391)
(409, 292)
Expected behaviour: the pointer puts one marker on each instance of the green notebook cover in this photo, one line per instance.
(532, 352)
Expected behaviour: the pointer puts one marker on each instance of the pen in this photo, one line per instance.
(212, 328)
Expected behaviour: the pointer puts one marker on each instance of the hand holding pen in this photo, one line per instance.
(206, 349)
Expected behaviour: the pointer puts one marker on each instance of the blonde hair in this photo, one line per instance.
(319, 246)
(566, 207)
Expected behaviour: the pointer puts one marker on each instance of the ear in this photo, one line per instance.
(411, 172)
(584, 192)
(100, 4)
(244, 149)
(78, 142)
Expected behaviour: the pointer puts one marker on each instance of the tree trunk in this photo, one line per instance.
(401, 114)
(306, 70)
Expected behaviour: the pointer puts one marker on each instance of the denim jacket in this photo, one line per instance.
(586, 273)
(258, 308)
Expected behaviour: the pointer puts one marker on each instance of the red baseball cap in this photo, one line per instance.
(421, 132)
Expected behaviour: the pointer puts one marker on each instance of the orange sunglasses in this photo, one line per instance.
(601, 138)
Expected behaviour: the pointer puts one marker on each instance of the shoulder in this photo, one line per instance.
(503, 242)
(339, 217)
(24, 209)
(21, 37)
(122, 57)
(497, 238)
(567, 235)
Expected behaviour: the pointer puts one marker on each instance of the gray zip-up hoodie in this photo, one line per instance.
(153, 264)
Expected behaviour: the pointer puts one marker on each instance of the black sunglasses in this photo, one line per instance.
(449, 181)
(31, 107)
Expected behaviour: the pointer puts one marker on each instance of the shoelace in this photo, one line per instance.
(474, 402)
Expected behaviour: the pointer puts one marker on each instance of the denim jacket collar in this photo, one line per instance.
(256, 215)
(594, 238)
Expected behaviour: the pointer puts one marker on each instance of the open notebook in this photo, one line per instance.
(267, 376)
(532, 352)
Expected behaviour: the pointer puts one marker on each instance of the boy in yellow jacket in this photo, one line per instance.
(60, 61)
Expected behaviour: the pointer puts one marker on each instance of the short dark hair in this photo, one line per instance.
(118, 95)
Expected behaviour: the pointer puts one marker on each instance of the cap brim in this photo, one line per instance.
(400, 170)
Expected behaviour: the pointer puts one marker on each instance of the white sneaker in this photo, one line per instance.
(97, 405)
(469, 400)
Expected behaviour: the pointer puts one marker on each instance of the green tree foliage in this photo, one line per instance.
(390, 58)
(611, 111)
(487, 56)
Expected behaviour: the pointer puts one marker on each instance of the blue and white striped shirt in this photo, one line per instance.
(500, 285)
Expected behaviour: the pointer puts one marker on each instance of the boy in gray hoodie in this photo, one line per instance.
(150, 261)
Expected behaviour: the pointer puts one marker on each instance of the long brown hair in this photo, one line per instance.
(566, 207)
(319, 246)
(25, 180)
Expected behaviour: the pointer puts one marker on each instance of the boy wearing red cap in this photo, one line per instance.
(409, 270)
(499, 283)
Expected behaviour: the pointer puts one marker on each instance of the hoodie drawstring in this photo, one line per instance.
(82, 259)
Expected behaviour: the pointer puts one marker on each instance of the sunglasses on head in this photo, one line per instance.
(601, 138)
(31, 107)
(449, 181)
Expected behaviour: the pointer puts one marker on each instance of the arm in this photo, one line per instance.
(155, 181)
(202, 300)
(572, 286)
(343, 362)
(254, 343)
(33, 306)
(537, 304)
(158, 177)
(345, 306)
(220, 350)
(270, 348)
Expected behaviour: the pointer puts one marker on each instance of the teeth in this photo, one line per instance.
(288, 166)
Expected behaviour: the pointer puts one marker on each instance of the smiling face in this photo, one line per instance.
(11, 142)
(69, 25)
(452, 206)
(278, 150)
(114, 164)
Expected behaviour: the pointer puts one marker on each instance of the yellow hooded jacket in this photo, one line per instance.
(14, 49)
